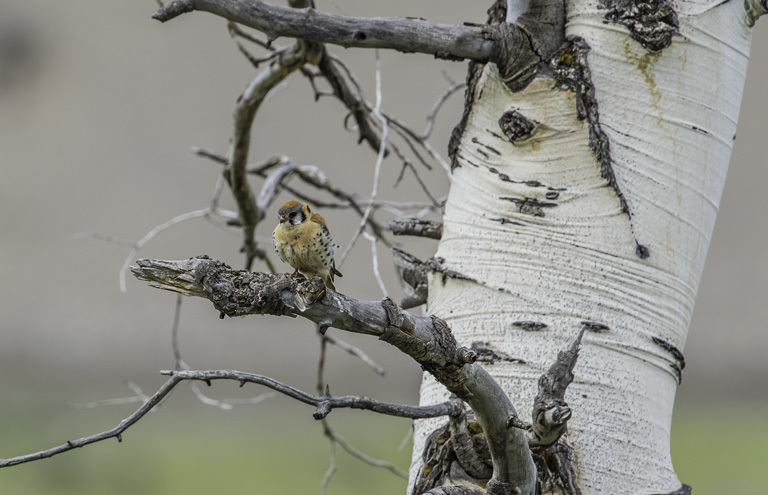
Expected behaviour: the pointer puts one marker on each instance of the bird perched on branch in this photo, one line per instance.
(303, 241)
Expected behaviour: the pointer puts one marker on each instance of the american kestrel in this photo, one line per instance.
(303, 241)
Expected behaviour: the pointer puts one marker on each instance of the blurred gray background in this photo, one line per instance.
(99, 105)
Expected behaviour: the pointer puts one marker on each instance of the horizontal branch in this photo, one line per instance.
(324, 406)
(403, 34)
(324, 403)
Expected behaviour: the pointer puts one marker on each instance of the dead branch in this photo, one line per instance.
(405, 35)
(355, 351)
(416, 227)
(236, 169)
(324, 403)
(550, 412)
(428, 340)
(351, 101)
(115, 432)
(413, 273)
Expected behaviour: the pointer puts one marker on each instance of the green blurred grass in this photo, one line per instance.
(258, 451)
(249, 451)
(722, 450)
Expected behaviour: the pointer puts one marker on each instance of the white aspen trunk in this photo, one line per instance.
(546, 239)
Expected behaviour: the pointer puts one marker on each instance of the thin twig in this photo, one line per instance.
(364, 457)
(436, 108)
(375, 263)
(355, 351)
(115, 432)
(237, 157)
(379, 159)
(408, 436)
(104, 237)
(234, 30)
(180, 364)
(320, 387)
(151, 235)
(352, 101)
(177, 377)
(139, 397)
(331, 467)
(327, 402)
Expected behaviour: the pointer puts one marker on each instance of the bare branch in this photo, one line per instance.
(436, 108)
(139, 397)
(377, 169)
(416, 227)
(177, 376)
(151, 235)
(375, 262)
(428, 340)
(331, 469)
(550, 412)
(115, 432)
(362, 456)
(355, 351)
(351, 101)
(413, 273)
(405, 35)
(326, 402)
(236, 169)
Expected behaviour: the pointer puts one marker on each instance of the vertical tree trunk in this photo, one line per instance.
(589, 198)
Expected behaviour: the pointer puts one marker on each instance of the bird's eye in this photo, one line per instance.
(292, 214)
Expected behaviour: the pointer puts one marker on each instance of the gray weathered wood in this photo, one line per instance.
(402, 34)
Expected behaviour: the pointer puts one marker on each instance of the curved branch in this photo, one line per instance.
(237, 159)
(428, 340)
(402, 34)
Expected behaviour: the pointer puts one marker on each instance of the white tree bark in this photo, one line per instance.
(548, 240)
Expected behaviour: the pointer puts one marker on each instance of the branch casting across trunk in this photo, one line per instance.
(428, 340)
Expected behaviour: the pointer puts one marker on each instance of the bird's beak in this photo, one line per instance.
(283, 218)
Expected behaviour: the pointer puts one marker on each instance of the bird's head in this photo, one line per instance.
(293, 212)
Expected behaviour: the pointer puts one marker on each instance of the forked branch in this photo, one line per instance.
(428, 340)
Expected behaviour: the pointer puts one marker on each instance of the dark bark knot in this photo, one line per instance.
(678, 360)
(516, 126)
(529, 206)
(652, 23)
